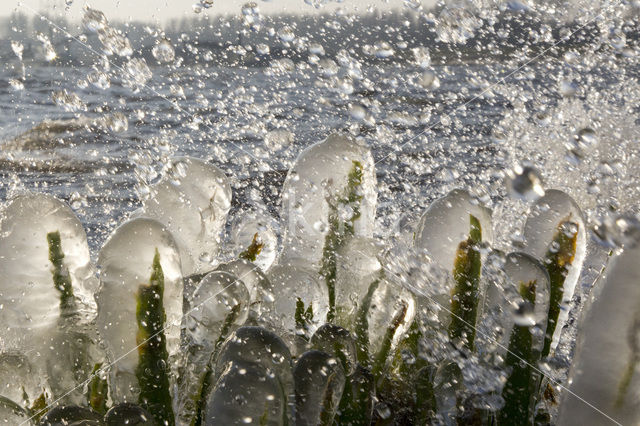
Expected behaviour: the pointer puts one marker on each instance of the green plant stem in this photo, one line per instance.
(328, 411)
(98, 390)
(339, 232)
(152, 371)
(383, 353)
(61, 277)
(303, 318)
(466, 274)
(519, 390)
(39, 407)
(362, 325)
(252, 252)
(558, 261)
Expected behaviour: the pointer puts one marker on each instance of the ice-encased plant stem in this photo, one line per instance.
(521, 358)
(604, 379)
(466, 274)
(152, 370)
(69, 356)
(558, 261)
(340, 230)
(125, 262)
(319, 382)
(313, 187)
(31, 303)
(61, 277)
(541, 233)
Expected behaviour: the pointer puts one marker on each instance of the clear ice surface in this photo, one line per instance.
(338, 342)
(604, 371)
(358, 266)
(192, 200)
(257, 345)
(213, 300)
(319, 380)
(125, 262)
(264, 226)
(128, 414)
(246, 393)
(319, 177)
(389, 300)
(261, 309)
(12, 414)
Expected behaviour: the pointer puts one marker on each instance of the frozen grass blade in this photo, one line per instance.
(61, 277)
(519, 390)
(98, 391)
(153, 368)
(356, 404)
(252, 252)
(362, 326)
(466, 274)
(338, 233)
(303, 317)
(381, 357)
(558, 260)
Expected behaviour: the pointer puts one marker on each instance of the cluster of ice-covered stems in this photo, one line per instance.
(238, 351)
(539, 282)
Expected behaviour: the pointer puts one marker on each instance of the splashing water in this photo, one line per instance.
(206, 136)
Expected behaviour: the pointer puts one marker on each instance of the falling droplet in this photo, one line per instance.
(524, 182)
(163, 51)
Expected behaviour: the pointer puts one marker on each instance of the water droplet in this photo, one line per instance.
(316, 49)
(383, 410)
(422, 56)
(136, 73)
(99, 79)
(428, 80)
(49, 52)
(383, 50)
(567, 88)
(16, 84)
(114, 42)
(17, 48)
(278, 138)
(263, 49)
(163, 51)
(69, 101)
(286, 34)
(524, 182)
(94, 20)
(117, 122)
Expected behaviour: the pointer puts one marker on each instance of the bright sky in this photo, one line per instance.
(163, 10)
